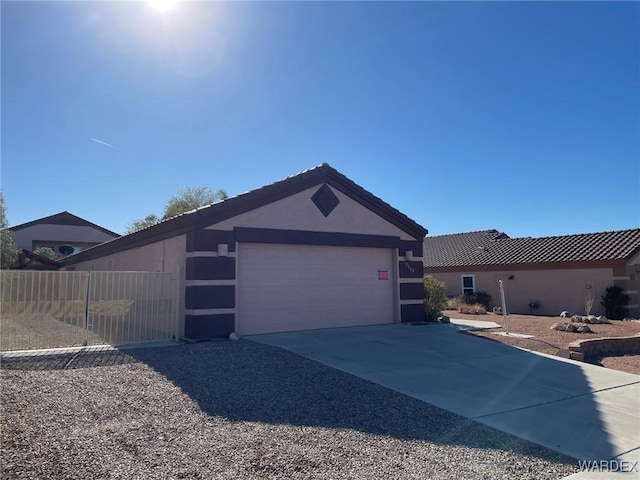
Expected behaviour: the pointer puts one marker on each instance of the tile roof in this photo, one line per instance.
(323, 173)
(490, 247)
(238, 204)
(63, 218)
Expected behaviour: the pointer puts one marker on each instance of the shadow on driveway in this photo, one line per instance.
(246, 381)
(580, 410)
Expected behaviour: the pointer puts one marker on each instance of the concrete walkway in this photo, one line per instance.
(474, 324)
(582, 410)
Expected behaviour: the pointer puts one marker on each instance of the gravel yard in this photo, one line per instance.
(42, 331)
(237, 410)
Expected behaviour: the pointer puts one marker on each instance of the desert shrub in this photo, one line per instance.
(468, 299)
(475, 308)
(435, 298)
(454, 302)
(614, 302)
(588, 302)
(482, 298)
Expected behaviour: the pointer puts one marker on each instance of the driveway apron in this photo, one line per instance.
(585, 411)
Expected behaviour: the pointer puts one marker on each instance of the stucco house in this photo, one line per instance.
(314, 250)
(540, 275)
(64, 233)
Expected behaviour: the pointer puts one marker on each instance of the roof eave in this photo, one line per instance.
(248, 201)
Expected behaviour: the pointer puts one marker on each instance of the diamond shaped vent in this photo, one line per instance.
(325, 200)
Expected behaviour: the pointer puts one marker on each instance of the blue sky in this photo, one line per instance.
(524, 117)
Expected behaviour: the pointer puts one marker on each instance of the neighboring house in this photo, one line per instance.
(540, 275)
(63, 232)
(27, 260)
(311, 251)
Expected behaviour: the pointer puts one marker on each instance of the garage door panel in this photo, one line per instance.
(300, 287)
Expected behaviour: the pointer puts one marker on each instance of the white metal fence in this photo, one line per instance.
(41, 309)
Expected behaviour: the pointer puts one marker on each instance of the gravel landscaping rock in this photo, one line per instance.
(549, 341)
(237, 410)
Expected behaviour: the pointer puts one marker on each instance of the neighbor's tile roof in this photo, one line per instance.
(63, 218)
(490, 247)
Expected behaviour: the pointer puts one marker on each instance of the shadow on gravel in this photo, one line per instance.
(66, 360)
(249, 382)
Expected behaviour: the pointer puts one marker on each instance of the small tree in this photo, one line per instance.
(141, 223)
(46, 252)
(8, 249)
(435, 298)
(190, 199)
(187, 199)
(614, 301)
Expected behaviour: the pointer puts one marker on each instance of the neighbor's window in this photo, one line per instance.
(468, 284)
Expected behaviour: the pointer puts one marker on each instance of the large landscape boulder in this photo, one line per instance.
(593, 320)
(570, 327)
(561, 327)
(590, 319)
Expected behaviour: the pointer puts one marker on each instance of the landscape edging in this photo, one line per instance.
(606, 346)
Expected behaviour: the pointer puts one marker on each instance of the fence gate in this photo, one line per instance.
(41, 309)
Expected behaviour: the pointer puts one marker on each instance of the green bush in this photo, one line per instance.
(435, 298)
(614, 302)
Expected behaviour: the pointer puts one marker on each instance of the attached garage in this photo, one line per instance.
(302, 287)
(314, 250)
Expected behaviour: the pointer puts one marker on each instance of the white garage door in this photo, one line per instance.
(300, 287)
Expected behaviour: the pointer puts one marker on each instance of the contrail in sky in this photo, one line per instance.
(101, 142)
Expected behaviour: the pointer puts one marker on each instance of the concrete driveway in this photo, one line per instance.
(585, 411)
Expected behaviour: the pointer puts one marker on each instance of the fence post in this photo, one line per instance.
(178, 309)
(86, 310)
(504, 308)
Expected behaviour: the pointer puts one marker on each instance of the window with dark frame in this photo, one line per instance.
(468, 284)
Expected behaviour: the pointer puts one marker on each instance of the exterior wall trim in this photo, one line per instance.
(208, 311)
(412, 312)
(413, 280)
(411, 291)
(204, 327)
(304, 237)
(210, 296)
(410, 269)
(196, 283)
(201, 253)
(210, 268)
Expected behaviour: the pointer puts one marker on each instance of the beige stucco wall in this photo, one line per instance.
(163, 256)
(633, 286)
(58, 235)
(556, 290)
(298, 212)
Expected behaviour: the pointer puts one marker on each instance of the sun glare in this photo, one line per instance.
(163, 5)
